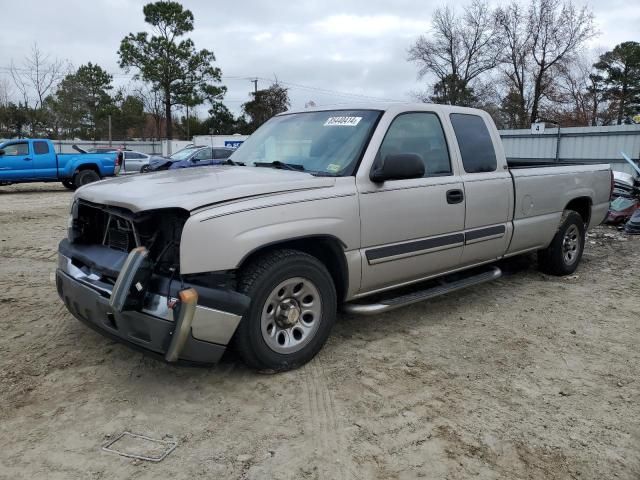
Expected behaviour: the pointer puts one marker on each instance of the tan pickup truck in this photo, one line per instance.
(365, 209)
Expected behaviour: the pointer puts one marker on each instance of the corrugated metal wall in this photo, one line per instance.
(577, 144)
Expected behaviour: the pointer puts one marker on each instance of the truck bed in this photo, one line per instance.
(543, 190)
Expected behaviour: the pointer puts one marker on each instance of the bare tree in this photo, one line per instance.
(459, 50)
(153, 102)
(579, 96)
(539, 42)
(37, 76)
(5, 92)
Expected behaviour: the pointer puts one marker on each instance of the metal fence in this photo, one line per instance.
(575, 144)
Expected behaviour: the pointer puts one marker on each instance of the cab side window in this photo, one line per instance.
(420, 133)
(474, 140)
(40, 148)
(16, 149)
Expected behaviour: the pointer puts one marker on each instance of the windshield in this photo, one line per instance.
(329, 142)
(184, 153)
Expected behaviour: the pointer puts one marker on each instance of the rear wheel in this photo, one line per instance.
(563, 255)
(69, 184)
(83, 177)
(293, 308)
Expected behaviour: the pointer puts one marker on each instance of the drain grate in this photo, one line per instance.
(131, 445)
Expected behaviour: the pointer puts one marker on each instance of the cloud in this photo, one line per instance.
(369, 25)
(352, 47)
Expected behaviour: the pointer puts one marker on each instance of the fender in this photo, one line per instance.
(212, 243)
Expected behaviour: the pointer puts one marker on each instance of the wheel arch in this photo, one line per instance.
(329, 250)
(87, 166)
(582, 206)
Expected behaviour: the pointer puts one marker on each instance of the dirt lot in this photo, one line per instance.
(528, 377)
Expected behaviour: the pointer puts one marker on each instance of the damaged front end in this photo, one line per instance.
(119, 272)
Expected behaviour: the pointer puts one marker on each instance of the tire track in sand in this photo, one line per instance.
(323, 426)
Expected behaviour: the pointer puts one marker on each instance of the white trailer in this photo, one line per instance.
(233, 141)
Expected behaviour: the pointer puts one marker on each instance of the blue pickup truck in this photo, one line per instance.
(35, 160)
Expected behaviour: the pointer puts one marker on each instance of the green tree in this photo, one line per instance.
(81, 102)
(13, 119)
(221, 121)
(128, 117)
(68, 108)
(620, 69)
(451, 90)
(94, 84)
(265, 104)
(172, 65)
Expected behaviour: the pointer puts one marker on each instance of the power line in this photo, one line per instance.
(253, 79)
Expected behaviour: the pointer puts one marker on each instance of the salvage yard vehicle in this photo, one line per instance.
(367, 209)
(131, 161)
(193, 156)
(35, 160)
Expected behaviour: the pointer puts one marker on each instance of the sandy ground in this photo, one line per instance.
(529, 377)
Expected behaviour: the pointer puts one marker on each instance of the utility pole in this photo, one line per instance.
(109, 129)
(255, 85)
(187, 121)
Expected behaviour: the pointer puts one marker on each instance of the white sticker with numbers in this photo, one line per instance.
(342, 121)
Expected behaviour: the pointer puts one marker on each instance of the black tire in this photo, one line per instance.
(562, 257)
(69, 184)
(83, 177)
(259, 280)
(144, 169)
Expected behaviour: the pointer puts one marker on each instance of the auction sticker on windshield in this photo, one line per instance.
(342, 121)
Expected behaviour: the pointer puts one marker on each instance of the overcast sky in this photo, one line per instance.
(328, 51)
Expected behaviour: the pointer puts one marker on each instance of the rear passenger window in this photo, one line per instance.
(40, 148)
(475, 143)
(421, 133)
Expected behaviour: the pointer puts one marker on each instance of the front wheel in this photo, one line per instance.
(563, 255)
(144, 169)
(293, 308)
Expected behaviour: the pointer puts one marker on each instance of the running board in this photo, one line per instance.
(445, 286)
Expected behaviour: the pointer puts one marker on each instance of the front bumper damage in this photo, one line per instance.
(198, 331)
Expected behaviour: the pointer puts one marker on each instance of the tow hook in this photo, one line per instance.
(186, 310)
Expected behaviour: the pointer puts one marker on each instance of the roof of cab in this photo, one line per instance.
(394, 107)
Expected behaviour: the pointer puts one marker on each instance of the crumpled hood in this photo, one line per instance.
(192, 188)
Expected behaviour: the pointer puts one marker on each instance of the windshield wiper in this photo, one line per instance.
(278, 164)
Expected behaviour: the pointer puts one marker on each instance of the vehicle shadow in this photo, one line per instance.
(12, 190)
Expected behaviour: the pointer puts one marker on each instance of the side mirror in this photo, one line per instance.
(398, 166)
(1, 152)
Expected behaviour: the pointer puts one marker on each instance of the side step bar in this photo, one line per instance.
(445, 286)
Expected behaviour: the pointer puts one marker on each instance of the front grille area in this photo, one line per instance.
(119, 236)
(120, 229)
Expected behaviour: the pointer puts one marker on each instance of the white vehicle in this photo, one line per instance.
(133, 161)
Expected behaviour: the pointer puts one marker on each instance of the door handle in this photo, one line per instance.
(455, 196)
(26, 159)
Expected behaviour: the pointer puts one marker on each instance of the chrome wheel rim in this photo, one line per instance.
(291, 315)
(571, 245)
